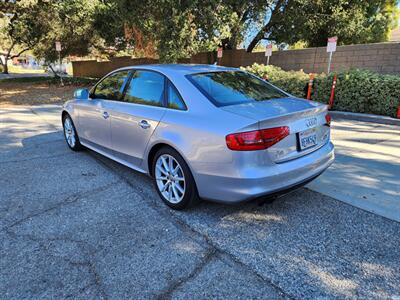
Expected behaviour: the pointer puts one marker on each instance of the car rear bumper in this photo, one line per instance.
(265, 180)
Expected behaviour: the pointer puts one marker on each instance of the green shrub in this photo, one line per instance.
(360, 91)
(77, 81)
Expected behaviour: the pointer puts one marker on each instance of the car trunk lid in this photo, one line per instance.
(305, 119)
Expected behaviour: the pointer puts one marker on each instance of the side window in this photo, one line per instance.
(111, 87)
(146, 87)
(174, 99)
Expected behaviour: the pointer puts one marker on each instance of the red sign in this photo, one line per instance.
(219, 52)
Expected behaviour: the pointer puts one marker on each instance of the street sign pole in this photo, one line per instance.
(219, 56)
(329, 62)
(330, 48)
(268, 52)
(58, 49)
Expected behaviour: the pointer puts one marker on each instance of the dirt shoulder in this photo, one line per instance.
(26, 93)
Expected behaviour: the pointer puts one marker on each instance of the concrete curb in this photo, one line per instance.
(364, 117)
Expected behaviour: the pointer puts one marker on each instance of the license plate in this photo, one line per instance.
(308, 138)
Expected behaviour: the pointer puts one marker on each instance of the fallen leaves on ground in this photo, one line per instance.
(18, 93)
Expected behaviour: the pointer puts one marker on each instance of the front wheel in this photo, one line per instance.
(71, 137)
(173, 180)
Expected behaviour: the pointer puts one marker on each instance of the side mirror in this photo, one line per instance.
(81, 94)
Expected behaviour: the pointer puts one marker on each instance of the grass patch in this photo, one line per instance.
(21, 70)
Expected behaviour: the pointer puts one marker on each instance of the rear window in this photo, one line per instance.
(234, 87)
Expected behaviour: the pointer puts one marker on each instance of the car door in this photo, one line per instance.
(94, 114)
(134, 119)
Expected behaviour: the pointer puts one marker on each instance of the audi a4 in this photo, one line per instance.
(202, 131)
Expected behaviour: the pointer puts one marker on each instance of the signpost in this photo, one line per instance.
(58, 49)
(219, 55)
(219, 52)
(331, 47)
(268, 52)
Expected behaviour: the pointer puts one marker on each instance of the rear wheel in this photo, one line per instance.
(173, 180)
(71, 137)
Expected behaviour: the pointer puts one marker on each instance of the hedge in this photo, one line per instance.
(360, 91)
(76, 81)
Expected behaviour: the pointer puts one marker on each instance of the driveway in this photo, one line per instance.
(82, 226)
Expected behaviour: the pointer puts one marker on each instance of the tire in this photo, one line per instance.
(70, 134)
(177, 189)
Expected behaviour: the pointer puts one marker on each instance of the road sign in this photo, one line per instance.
(219, 52)
(268, 50)
(58, 46)
(330, 48)
(332, 41)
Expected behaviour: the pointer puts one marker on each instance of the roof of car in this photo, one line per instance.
(181, 68)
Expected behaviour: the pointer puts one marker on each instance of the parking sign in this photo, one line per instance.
(331, 47)
(268, 50)
(58, 46)
(219, 52)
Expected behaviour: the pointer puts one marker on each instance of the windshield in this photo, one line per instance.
(234, 87)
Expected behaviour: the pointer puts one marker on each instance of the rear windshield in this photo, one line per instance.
(234, 87)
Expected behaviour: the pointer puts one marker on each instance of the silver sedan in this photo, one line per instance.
(202, 131)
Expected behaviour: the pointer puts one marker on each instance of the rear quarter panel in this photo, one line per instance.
(199, 137)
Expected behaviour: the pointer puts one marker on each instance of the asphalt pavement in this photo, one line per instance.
(78, 225)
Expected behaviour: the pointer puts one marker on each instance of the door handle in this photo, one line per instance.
(144, 124)
(106, 115)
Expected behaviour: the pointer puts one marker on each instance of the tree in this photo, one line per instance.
(71, 23)
(312, 22)
(170, 28)
(353, 22)
(21, 27)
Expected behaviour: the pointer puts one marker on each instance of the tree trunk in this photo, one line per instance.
(5, 68)
(54, 72)
(276, 14)
(256, 39)
(4, 65)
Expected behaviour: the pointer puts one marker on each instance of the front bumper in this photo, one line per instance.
(264, 180)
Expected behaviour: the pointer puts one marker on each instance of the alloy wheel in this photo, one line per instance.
(170, 178)
(69, 132)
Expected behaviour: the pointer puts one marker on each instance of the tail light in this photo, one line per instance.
(256, 140)
(328, 119)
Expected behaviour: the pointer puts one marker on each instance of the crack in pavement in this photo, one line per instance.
(168, 292)
(69, 200)
(197, 236)
(83, 246)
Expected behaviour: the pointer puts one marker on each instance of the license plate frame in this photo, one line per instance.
(307, 139)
